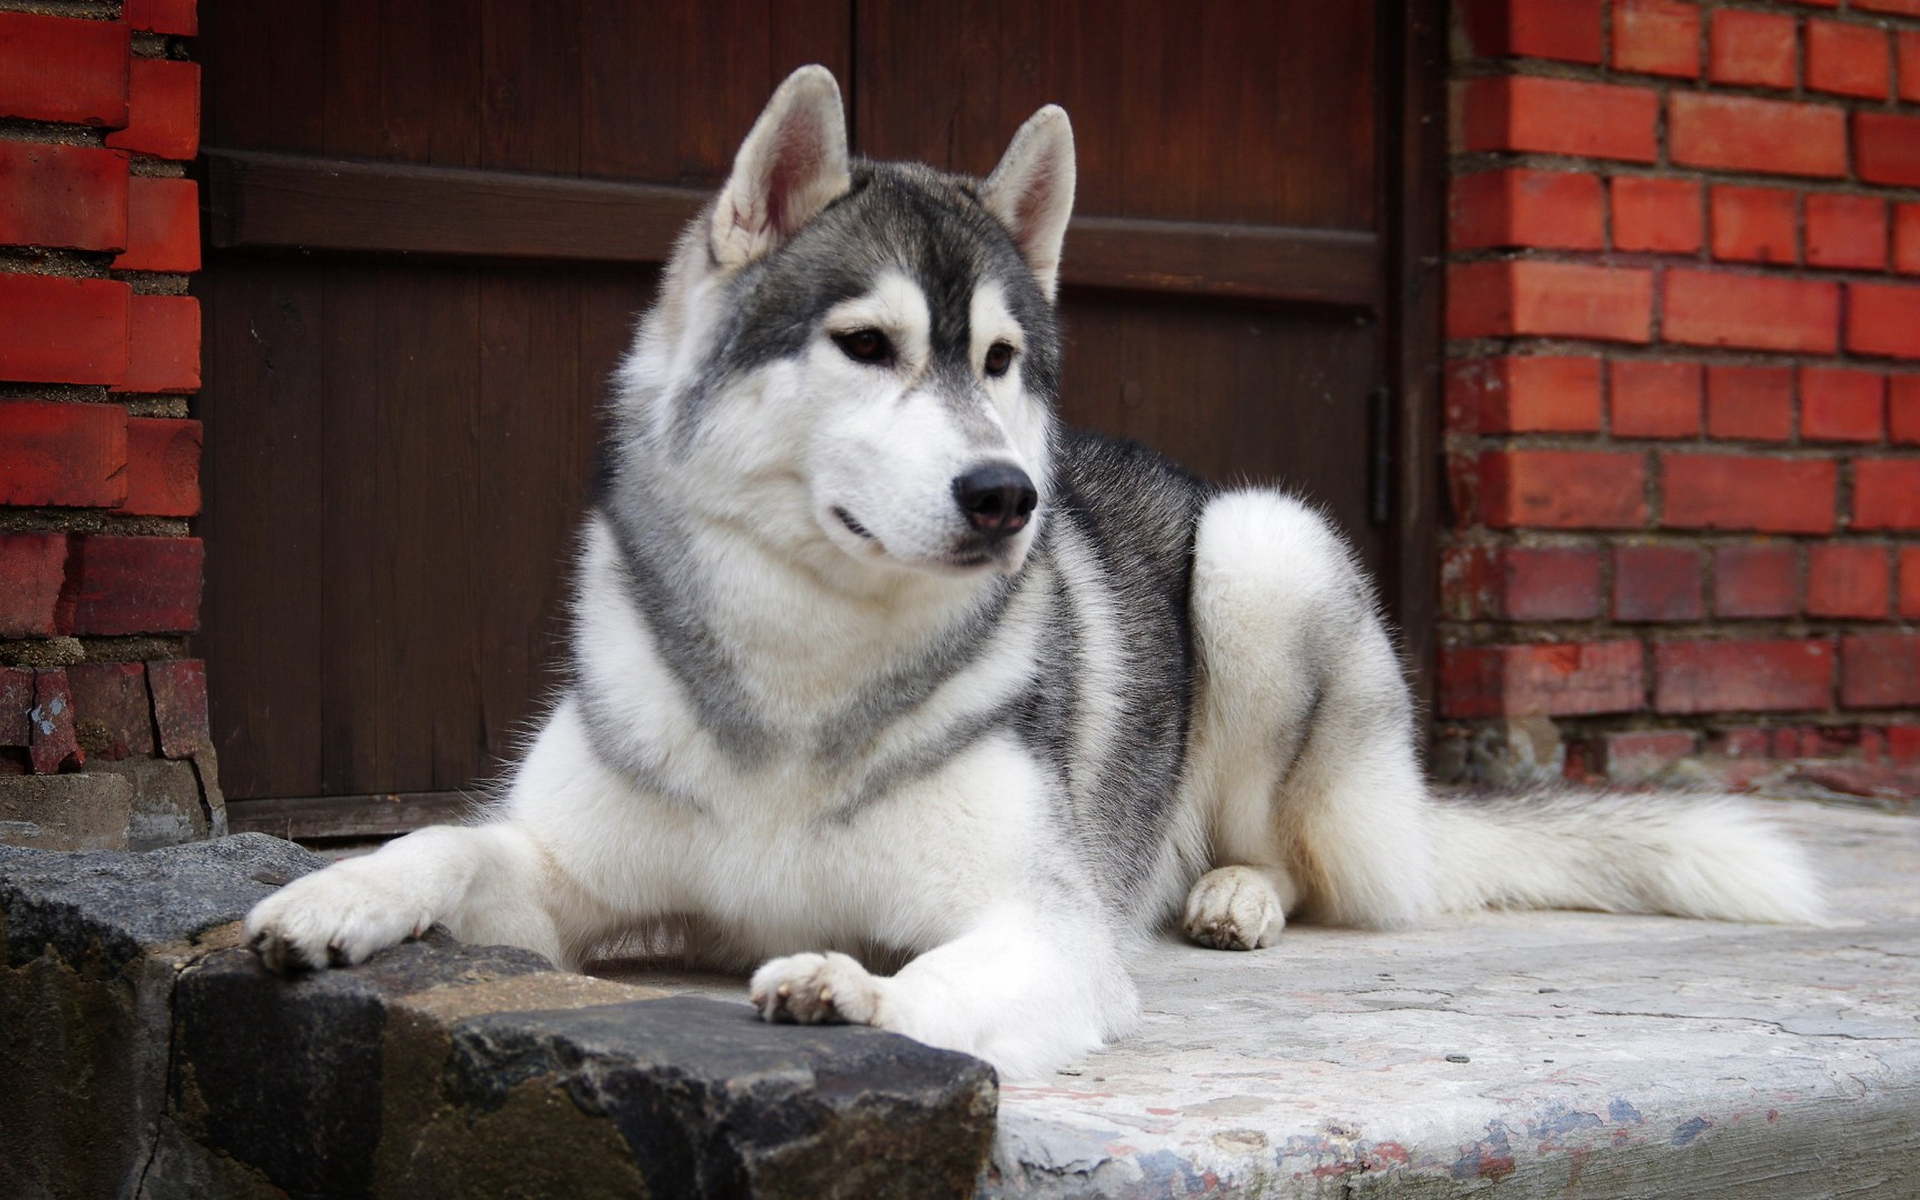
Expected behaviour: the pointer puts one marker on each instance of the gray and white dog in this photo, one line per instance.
(871, 655)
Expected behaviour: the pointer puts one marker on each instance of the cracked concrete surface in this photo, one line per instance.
(1515, 1054)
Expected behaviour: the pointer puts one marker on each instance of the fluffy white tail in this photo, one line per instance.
(1716, 858)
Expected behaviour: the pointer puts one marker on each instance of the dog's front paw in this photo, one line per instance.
(816, 989)
(333, 918)
(1234, 908)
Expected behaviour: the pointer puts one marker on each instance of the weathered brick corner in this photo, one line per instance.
(146, 1054)
(100, 573)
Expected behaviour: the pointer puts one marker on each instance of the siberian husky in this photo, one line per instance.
(871, 655)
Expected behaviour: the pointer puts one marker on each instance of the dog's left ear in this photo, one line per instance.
(792, 165)
(1031, 191)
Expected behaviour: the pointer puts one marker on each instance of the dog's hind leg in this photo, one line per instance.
(1303, 763)
(488, 884)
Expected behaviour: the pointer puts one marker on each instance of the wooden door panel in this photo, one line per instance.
(426, 438)
(1236, 392)
(1242, 111)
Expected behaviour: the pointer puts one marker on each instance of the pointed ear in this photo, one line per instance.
(1031, 191)
(792, 165)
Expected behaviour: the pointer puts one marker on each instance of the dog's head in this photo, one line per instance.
(860, 359)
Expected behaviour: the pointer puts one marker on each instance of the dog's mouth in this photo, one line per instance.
(856, 528)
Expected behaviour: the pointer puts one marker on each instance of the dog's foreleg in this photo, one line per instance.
(488, 884)
(1022, 990)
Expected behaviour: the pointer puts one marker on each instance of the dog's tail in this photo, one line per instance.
(1678, 854)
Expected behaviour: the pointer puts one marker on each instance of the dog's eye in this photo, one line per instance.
(999, 358)
(865, 345)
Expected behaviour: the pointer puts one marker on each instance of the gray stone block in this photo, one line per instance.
(90, 946)
(148, 1054)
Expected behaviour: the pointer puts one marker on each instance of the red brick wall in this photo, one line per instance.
(99, 351)
(1683, 401)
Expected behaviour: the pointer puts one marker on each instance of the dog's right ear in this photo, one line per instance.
(792, 165)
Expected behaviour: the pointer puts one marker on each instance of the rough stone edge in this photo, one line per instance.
(102, 922)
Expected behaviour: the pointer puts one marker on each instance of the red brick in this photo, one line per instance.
(1654, 399)
(1743, 133)
(1849, 60)
(1906, 8)
(1880, 670)
(1560, 116)
(1753, 224)
(163, 226)
(59, 69)
(1538, 394)
(1754, 312)
(68, 196)
(113, 717)
(1750, 403)
(1846, 231)
(163, 109)
(1468, 590)
(62, 330)
(1747, 741)
(1568, 30)
(1657, 215)
(1848, 580)
(1541, 680)
(1906, 44)
(1636, 754)
(1562, 210)
(16, 697)
(63, 455)
(1545, 299)
(163, 467)
(1548, 583)
(1903, 409)
(1838, 404)
(1909, 602)
(138, 585)
(1656, 37)
(1906, 238)
(1562, 489)
(1743, 676)
(1656, 583)
(180, 705)
(177, 17)
(1886, 493)
(1886, 148)
(1755, 580)
(51, 735)
(1883, 318)
(34, 599)
(1903, 743)
(1737, 491)
(1752, 48)
(163, 351)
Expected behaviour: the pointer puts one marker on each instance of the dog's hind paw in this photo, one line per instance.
(1234, 908)
(816, 989)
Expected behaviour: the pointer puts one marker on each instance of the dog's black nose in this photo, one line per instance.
(997, 499)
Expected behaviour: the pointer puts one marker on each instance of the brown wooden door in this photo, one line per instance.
(432, 225)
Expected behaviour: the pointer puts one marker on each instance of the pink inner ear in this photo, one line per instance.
(1035, 200)
(796, 161)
